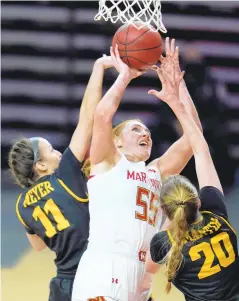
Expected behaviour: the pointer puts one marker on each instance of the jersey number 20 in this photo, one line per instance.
(51, 207)
(212, 249)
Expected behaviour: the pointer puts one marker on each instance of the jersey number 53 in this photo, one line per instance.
(154, 206)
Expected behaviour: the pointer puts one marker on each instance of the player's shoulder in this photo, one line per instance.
(154, 172)
(211, 191)
(70, 175)
(69, 163)
(160, 246)
(212, 199)
(20, 212)
(153, 167)
(160, 237)
(216, 222)
(20, 201)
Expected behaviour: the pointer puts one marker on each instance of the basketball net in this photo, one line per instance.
(140, 13)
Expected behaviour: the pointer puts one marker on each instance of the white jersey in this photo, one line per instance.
(124, 207)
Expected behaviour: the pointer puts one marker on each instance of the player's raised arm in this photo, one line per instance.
(177, 156)
(203, 159)
(172, 59)
(206, 172)
(81, 137)
(102, 146)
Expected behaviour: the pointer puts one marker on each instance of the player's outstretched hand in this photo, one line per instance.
(121, 67)
(170, 85)
(106, 61)
(171, 60)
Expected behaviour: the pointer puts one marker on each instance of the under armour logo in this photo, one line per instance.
(115, 280)
(142, 256)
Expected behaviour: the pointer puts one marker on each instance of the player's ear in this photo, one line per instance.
(118, 142)
(41, 166)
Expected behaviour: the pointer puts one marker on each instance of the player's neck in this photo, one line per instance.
(42, 175)
(133, 158)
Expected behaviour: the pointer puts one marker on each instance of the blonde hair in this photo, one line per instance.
(86, 167)
(116, 131)
(179, 199)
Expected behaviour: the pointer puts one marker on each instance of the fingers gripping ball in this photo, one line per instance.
(138, 48)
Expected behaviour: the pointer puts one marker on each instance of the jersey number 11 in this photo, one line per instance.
(51, 207)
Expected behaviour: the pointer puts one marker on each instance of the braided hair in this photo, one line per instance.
(179, 199)
(21, 160)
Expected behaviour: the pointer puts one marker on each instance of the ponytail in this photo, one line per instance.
(178, 230)
(179, 199)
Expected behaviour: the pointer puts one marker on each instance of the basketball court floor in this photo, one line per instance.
(31, 277)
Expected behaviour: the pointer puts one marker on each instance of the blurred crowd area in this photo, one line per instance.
(48, 51)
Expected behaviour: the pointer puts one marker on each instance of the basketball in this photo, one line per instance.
(138, 48)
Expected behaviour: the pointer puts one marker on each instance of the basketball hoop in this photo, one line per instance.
(136, 12)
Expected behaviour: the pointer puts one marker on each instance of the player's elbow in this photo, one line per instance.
(185, 147)
(151, 267)
(39, 248)
(103, 114)
(36, 242)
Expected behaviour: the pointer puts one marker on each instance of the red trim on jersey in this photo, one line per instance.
(90, 177)
(97, 299)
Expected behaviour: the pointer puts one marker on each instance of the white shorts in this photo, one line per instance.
(114, 276)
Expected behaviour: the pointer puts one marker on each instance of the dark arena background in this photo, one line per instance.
(48, 51)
